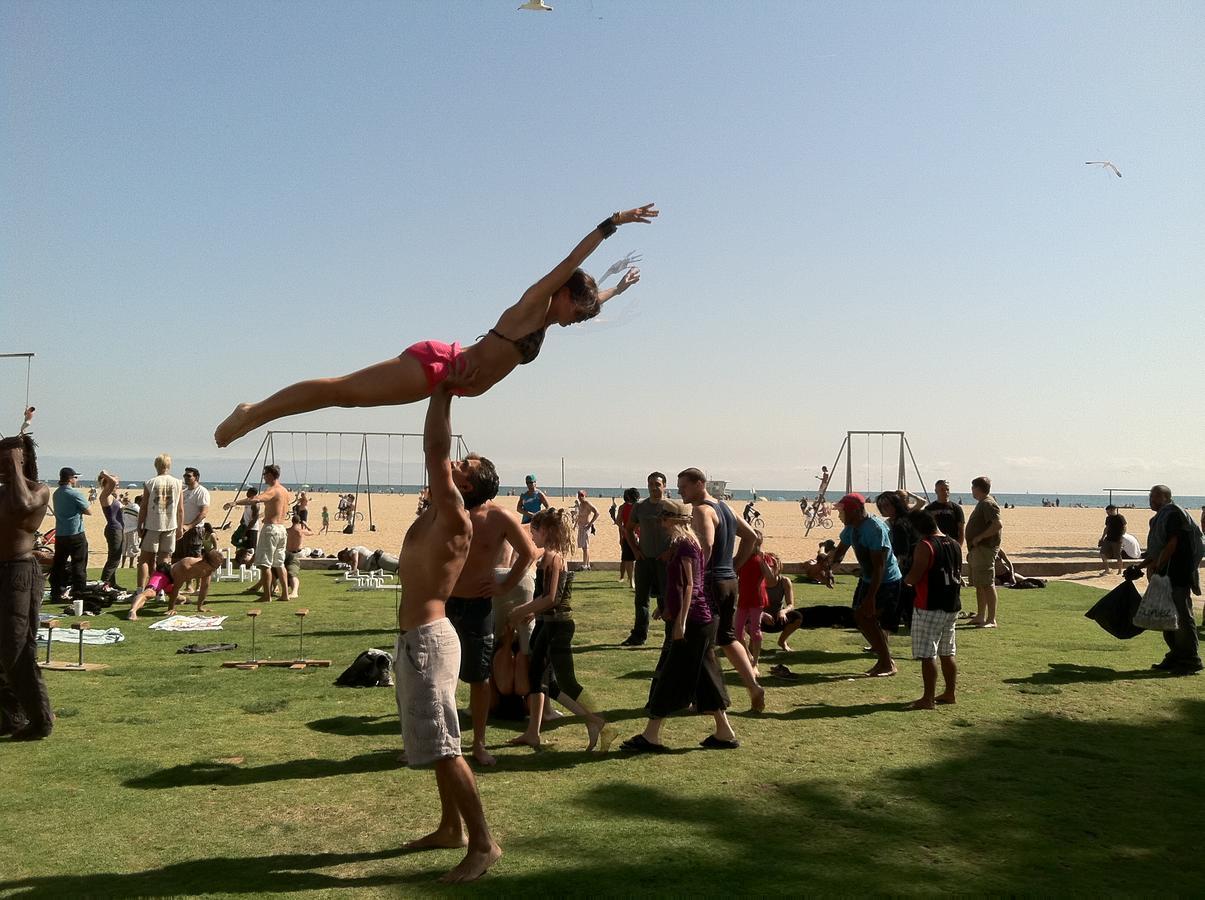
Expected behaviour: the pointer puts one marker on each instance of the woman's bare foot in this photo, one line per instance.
(975, 622)
(598, 727)
(944, 699)
(523, 740)
(475, 864)
(483, 756)
(202, 609)
(439, 839)
(782, 645)
(922, 703)
(233, 427)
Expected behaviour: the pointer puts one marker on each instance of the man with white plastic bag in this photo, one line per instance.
(1174, 551)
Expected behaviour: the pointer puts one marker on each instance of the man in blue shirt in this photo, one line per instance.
(70, 542)
(877, 596)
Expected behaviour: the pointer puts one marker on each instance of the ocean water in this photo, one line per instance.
(1091, 501)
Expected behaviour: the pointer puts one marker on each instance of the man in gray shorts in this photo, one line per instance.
(427, 657)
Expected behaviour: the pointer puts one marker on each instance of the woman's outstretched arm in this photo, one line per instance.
(540, 292)
(630, 277)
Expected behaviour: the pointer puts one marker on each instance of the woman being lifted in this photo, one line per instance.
(564, 296)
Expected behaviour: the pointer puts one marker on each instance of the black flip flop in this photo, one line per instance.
(714, 743)
(640, 744)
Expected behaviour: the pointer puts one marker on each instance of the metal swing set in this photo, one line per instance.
(300, 475)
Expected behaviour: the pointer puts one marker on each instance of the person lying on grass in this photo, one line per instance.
(565, 296)
(169, 579)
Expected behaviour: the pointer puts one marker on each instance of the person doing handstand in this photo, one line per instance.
(564, 296)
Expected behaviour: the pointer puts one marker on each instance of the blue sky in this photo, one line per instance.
(874, 216)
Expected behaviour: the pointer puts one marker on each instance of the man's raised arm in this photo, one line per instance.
(437, 448)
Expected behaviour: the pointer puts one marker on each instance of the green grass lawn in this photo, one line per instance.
(1065, 766)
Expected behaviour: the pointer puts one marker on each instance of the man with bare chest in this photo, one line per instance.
(270, 545)
(471, 606)
(24, 704)
(427, 655)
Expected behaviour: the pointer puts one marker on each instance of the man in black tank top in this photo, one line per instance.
(718, 529)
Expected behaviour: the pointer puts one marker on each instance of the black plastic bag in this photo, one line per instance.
(1114, 612)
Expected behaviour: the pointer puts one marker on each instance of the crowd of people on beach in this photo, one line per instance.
(487, 596)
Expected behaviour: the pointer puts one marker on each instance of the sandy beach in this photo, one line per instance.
(1029, 532)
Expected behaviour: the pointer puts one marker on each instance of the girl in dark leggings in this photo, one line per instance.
(552, 641)
(114, 527)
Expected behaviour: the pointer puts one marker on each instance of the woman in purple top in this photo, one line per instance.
(114, 527)
(687, 671)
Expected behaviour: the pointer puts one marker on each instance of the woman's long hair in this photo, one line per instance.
(893, 501)
(555, 525)
(678, 530)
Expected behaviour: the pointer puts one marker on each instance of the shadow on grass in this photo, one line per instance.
(233, 875)
(229, 775)
(825, 711)
(1019, 808)
(1070, 673)
(357, 726)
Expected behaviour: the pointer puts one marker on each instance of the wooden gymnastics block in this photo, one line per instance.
(318, 663)
(59, 666)
(80, 626)
(253, 613)
(297, 665)
(301, 612)
(53, 623)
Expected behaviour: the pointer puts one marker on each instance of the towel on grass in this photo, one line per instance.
(91, 636)
(189, 623)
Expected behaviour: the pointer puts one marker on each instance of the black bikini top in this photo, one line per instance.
(528, 346)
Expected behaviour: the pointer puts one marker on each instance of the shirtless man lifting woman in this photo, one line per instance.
(427, 657)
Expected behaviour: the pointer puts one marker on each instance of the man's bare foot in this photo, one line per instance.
(922, 703)
(976, 622)
(202, 609)
(782, 645)
(131, 618)
(233, 427)
(522, 740)
(757, 699)
(475, 864)
(944, 699)
(171, 611)
(483, 756)
(880, 671)
(439, 839)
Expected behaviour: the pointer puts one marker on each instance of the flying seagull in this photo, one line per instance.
(537, 5)
(1105, 164)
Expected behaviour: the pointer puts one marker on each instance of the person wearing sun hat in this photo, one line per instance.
(532, 500)
(877, 596)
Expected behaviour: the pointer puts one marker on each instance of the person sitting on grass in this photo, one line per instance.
(820, 569)
(936, 578)
(169, 579)
(564, 296)
(780, 595)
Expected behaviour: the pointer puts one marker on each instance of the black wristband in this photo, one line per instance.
(607, 226)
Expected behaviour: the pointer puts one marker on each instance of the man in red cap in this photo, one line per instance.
(877, 596)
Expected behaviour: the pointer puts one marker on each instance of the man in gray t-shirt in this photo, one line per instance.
(648, 540)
